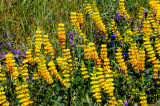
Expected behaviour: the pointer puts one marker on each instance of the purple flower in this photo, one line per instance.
(77, 36)
(22, 61)
(16, 58)
(15, 51)
(70, 40)
(4, 63)
(6, 35)
(125, 53)
(145, 10)
(70, 36)
(6, 52)
(124, 17)
(141, 23)
(154, 14)
(3, 44)
(125, 103)
(112, 43)
(133, 18)
(74, 34)
(1, 57)
(115, 48)
(113, 36)
(145, 14)
(82, 40)
(117, 15)
(27, 78)
(24, 53)
(9, 44)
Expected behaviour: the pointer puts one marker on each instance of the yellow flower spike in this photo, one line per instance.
(38, 41)
(61, 35)
(157, 45)
(143, 98)
(61, 25)
(120, 60)
(39, 31)
(3, 100)
(80, 19)
(48, 46)
(11, 65)
(84, 70)
(103, 51)
(96, 17)
(64, 65)
(95, 86)
(43, 72)
(75, 22)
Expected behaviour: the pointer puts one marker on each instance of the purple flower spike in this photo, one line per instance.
(141, 25)
(1, 57)
(9, 44)
(16, 58)
(70, 36)
(27, 79)
(6, 52)
(112, 43)
(22, 61)
(117, 15)
(24, 53)
(3, 44)
(77, 36)
(125, 53)
(145, 10)
(133, 18)
(124, 17)
(82, 40)
(74, 34)
(15, 51)
(125, 103)
(6, 35)
(154, 14)
(113, 36)
(4, 64)
(70, 40)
